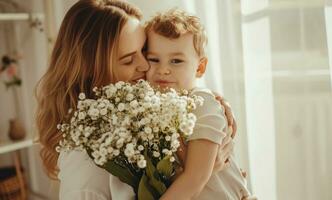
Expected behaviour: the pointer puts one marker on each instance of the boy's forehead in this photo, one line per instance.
(185, 36)
(180, 45)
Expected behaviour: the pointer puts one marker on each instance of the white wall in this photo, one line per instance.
(32, 44)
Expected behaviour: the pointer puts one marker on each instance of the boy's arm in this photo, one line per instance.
(200, 160)
(225, 150)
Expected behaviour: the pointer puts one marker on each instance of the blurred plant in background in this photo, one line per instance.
(10, 67)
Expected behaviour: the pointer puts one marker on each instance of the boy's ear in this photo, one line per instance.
(201, 67)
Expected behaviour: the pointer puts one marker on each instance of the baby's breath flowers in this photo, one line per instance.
(131, 126)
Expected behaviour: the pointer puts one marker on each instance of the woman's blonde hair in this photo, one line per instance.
(81, 59)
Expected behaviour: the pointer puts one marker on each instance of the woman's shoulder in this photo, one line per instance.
(67, 158)
(205, 92)
(74, 162)
(77, 162)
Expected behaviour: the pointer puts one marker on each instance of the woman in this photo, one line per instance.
(99, 42)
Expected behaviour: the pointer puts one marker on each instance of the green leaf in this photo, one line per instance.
(124, 174)
(165, 167)
(144, 192)
(153, 176)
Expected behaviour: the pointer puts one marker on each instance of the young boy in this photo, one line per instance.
(175, 51)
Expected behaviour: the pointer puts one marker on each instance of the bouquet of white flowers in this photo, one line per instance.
(133, 132)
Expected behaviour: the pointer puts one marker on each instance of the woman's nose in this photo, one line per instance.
(143, 64)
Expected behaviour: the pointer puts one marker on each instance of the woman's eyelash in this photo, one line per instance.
(129, 62)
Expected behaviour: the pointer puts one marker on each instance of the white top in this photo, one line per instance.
(227, 184)
(81, 179)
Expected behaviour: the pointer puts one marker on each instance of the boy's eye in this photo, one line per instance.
(154, 60)
(176, 61)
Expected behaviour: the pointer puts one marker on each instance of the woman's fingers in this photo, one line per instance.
(229, 114)
(224, 153)
(224, 142)
(230, 119)
(219, 166)
(249, 198)
(228, 149)
(228, 109)
(234, 128)
(243, 173)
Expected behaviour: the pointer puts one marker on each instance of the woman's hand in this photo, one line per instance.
(226, 148)
(249, 198)
(229, 114)
(225, 151)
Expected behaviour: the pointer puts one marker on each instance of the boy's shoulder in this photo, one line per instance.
(203, 92)
(211, 112)
(210, 101)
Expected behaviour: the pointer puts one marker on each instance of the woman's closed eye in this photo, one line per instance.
(128, 60)
(176, 61)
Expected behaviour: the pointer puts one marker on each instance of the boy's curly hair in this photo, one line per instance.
(175, 23)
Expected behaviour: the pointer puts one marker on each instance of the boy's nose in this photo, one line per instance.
(163, 70)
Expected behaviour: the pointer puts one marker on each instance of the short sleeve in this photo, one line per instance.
(81, 179)
(211, 121)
